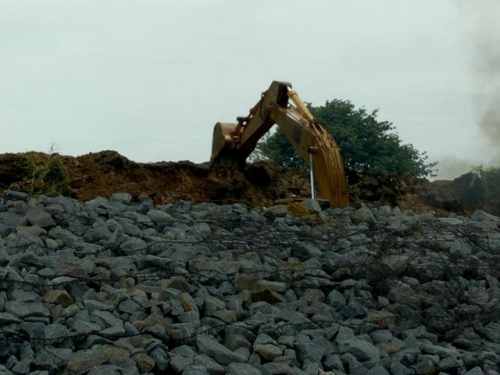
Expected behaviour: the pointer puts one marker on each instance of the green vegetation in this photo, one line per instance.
(49, 174)
(366, 144)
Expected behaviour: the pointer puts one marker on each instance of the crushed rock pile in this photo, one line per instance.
(116, 286)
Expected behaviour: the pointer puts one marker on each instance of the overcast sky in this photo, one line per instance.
(149, 79)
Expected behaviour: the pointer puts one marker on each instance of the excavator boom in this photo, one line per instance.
(235, 142)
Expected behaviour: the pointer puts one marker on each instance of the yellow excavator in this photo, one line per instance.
(234, 142)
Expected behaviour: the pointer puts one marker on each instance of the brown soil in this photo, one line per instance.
(260, 184)
(107, 172)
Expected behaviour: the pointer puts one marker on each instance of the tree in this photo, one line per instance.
(366, 144)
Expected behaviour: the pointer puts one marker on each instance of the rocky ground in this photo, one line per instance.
(121, 285)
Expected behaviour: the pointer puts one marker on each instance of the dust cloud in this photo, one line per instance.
(450, 168)
(481, 25)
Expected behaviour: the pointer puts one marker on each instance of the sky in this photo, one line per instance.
(150, 78)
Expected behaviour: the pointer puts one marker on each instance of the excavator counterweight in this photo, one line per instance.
(234, 142)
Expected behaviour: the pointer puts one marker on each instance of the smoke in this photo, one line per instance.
(481, 21)
(451, 167)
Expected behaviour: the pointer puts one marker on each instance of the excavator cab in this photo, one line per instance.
(234, 142)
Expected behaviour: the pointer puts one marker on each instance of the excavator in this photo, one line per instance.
(233, 142)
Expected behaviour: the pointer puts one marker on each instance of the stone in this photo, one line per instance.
(144, 362)
(425, 365)
(26, 309)
(14, 195)
(242, 369)
(475, 371)
(378, 370)
(209, 364)
(397, 368)
(311, 205)
(363, 215)
(461, 249)
(123, 198)
(209, 346)
(336, 299)
(492, 331)
(161, 358)
(277, 211)
(83, 361)
(132, 245)
(12, 220)
(480, 215)
(158, 216)
(235, 341)
(195, 370)
(305, 251)
(39, 217)
(65, 235)
(362, 350)
(268, 351)
(8, 318)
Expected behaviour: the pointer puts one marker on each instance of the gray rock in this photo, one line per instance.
(209, 364)
(65, 235)
(354, 310)
(26, 309)
(336, 299)
(84, 328)
(492, 331)
(12, 220)
(494, 242)
(178, 363)
(355, 367)
(242, 369)
(235, 341)
(451, 221)
(52, 359)
(14, 195)
(362, 350)
(277, 211)
(312, 205)
(195, 370)
(378, 370)
(305, 251)
(268, 351)
(475, 371)
(425, 365)
(124, 198)
(397, 368)
(132, 246)
(480, 215)
(7, 319)
(158, 216)
(306, 349)
(450, 364)
(105, 370)
(37, 216)
(209, 346)
(461, 249)
(161, 358)
(363, 215)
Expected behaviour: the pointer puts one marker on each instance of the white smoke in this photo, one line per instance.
(481, 26)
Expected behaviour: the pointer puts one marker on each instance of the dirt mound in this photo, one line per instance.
(260, 184)
(464, 195)
(107, 172)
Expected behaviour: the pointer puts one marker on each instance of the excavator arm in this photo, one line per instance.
(235, 142)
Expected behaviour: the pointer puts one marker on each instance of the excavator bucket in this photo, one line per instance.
(222, 144)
